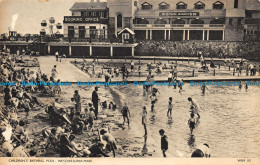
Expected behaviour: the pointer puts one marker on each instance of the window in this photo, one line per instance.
(239, 21)
(197, 21)
(178, 21)
(235, 3)
(126, 36)
(218, 21)
(199, 5)
(160, 21)
(92, 31)
(71, 31)
(218, 5)
(230, 22)
(94, 14)
(84, 14)
(146, 6)
(181, 5)
(102, 14)
(82, 32)
(164, 5)
(119, 20)
(135, 3)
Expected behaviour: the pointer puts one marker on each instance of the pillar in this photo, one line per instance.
(90, 50)
(188, 37)
(147, 34)
(207, 35)
(133, 51)
(151, 34)
(169, 35)
(223, 35)
(69, 50)
(111, 51)
(49, 49)
(183, 34)
(165, 34)
(203, 35)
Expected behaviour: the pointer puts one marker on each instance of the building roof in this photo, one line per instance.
(88, 6)
(127, 29)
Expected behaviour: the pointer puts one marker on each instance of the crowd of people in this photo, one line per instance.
(214, 49)
(66, 124)
(59, 135)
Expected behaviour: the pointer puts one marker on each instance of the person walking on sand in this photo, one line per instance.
(95, 101)
(57, 56)
(144, 120)
(126, 114)
(164, 142)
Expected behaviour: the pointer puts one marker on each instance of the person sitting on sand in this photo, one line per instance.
(96, 150)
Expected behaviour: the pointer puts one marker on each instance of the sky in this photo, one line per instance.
(25, 16)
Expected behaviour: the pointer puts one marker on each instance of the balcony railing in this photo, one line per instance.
(255, 21)
(159, 25)
(145, 26)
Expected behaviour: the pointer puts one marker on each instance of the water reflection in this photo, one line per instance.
(144, 149)
(191, 141)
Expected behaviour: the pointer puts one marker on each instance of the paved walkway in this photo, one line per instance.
(66, 71)
(70, 73)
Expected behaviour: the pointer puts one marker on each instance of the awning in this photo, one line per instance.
(127, 29)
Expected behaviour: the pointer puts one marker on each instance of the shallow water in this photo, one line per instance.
(229, 119)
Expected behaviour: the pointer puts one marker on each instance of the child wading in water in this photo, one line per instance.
(192, 122)
(153, 101)
(164, 142)
(169, 112)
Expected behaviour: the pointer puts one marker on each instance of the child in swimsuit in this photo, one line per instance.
(169, 113)
(192, 122)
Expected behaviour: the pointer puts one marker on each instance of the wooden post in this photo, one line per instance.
(193, 73)
(218, 66)
(214, 72)
(234, 72)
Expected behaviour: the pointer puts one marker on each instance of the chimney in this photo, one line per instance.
(98, 0)
(92, 1)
